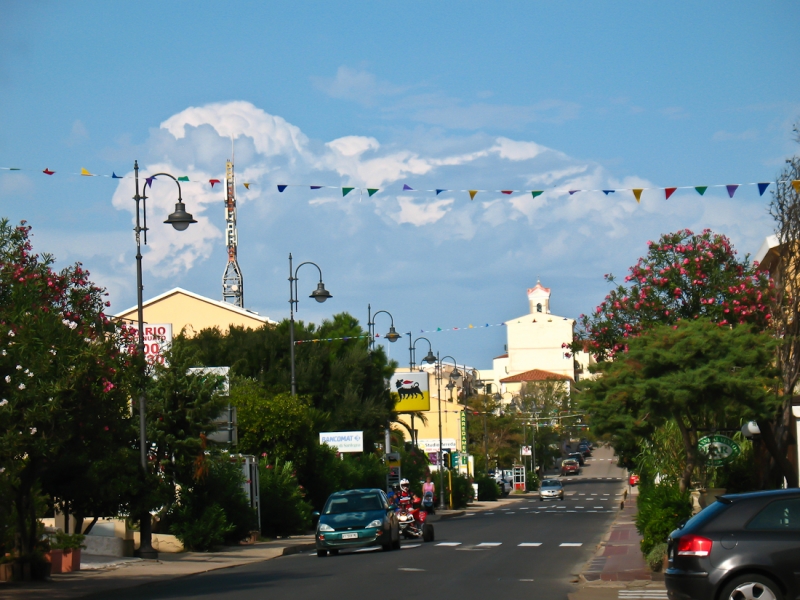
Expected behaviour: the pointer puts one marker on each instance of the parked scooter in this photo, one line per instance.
(413, 520)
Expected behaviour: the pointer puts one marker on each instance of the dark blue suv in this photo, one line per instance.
(743, 546)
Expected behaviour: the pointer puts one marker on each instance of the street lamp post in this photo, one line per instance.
(429, 359)
(320, 295)
(180, 220)
(453, 375)
(392, 336)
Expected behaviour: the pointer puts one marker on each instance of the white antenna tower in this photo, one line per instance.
(232, 280)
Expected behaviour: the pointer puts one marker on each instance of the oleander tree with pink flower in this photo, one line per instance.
(65, 381)
(683, 276)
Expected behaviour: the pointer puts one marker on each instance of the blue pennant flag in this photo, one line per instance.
(282, 187)
(607, 192)
(437, 191)
(115, 176)
(407, 187)
(762, 187)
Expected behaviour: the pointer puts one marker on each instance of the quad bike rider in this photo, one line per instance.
(412, 518)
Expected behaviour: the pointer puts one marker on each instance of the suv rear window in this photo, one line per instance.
(707, 514)
(781, 515)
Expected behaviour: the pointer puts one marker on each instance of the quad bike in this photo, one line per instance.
(413, 521)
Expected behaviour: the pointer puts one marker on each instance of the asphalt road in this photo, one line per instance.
(524, 547)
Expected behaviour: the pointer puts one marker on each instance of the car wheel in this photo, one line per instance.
(396, 544)
(387, 547)
(751, 587)
(334, 552)
(322, 553)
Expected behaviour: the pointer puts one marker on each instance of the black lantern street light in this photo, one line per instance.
(180, 220)
(454, 376)
(320, 295)
(430, 358)
(392, 336)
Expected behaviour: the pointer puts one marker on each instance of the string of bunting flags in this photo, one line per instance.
(731, 188)
(148, 180)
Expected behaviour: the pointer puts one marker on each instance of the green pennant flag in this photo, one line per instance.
(701, 189)
(346, 191)
(536, 193)
(184, 178)
(371, 191)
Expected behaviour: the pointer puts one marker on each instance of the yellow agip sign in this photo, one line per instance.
(410, 392)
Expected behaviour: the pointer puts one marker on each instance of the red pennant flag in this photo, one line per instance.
(48, 172)
(507, 192)
(668, 192)
(213, 181)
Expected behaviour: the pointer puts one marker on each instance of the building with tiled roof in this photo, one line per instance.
(535, 375)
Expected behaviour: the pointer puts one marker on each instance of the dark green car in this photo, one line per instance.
(356, 519)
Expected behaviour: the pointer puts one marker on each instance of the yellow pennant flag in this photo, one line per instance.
(638, 194)
(86, 173)
(472, 194)
(247, 186)
(796, 186)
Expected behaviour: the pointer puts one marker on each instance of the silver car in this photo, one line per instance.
(550, 489)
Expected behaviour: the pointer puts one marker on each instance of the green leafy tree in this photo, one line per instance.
(64, 378)
(500, 433)
(700, 374)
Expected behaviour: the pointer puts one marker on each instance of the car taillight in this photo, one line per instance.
(694, 545)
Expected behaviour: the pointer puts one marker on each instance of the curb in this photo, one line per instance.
(297, 548)
(436, 517)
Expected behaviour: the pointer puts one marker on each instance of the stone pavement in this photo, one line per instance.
(618, 569)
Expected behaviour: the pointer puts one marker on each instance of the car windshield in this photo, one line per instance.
(551, 483)
(570, 463)
(353, 503)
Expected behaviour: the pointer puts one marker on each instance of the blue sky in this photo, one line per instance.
(456, 95)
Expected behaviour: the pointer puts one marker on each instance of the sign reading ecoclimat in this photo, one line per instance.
(343, 441)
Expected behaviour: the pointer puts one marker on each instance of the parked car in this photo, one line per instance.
(505, 485)
(355, 519)
(570, 466)
(585, 449)
(741, 546)
(577, 456)
(550, 489)
(633, 479)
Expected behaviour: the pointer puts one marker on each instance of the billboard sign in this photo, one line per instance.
(718, 450)
(157, 338)
(343, 441)
(410, 392)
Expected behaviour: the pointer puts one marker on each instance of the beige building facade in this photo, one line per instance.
(190, 312)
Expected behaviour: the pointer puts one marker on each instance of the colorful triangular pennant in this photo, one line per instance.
(407, 187)
(84, 172)
(796, 186)
(372, 191)
(507, 192)
(732, 189)
(48, 171)
(439, 191)
(282, 187)
(213, 181)
(762, 187)
(472, 194)
(315, 187)
(346, 191)
(701, 189)
(246, 185)
(607, 192)
(573, 191)
(535, 193)
(637, 193)
(668, 192)
(183, 178)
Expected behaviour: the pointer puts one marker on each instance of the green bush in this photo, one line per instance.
(488, 490)
(531, 481)
(201, 531)
(284, 509)
(655, 558)
(214, 509)
(661, 508)
(462, 489)
(67, 541)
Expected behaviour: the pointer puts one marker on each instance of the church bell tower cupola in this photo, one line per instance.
(539, 298)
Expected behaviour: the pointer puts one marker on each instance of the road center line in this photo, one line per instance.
(488, 544)
(571, 544)
(449, 544)
(530, 544)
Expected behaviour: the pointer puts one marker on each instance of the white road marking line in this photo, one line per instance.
(591, 511)
(530, 544)
(572, 511)
(580, 507)
(367, 549)
(510, 512)
(409, 569)
(488, 544)
(449, 544)
(598, 507)
(524, 508)
(526, 579)
(410, 546)
(571, 544)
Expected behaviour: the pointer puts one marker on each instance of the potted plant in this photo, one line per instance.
(70, 546)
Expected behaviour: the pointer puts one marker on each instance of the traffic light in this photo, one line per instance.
(445, 458)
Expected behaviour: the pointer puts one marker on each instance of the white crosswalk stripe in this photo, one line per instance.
(530, 544)
(449, 544)
(571, 544)
(489, 544)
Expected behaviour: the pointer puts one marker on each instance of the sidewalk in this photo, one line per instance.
(618, 568)
(100, 576)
